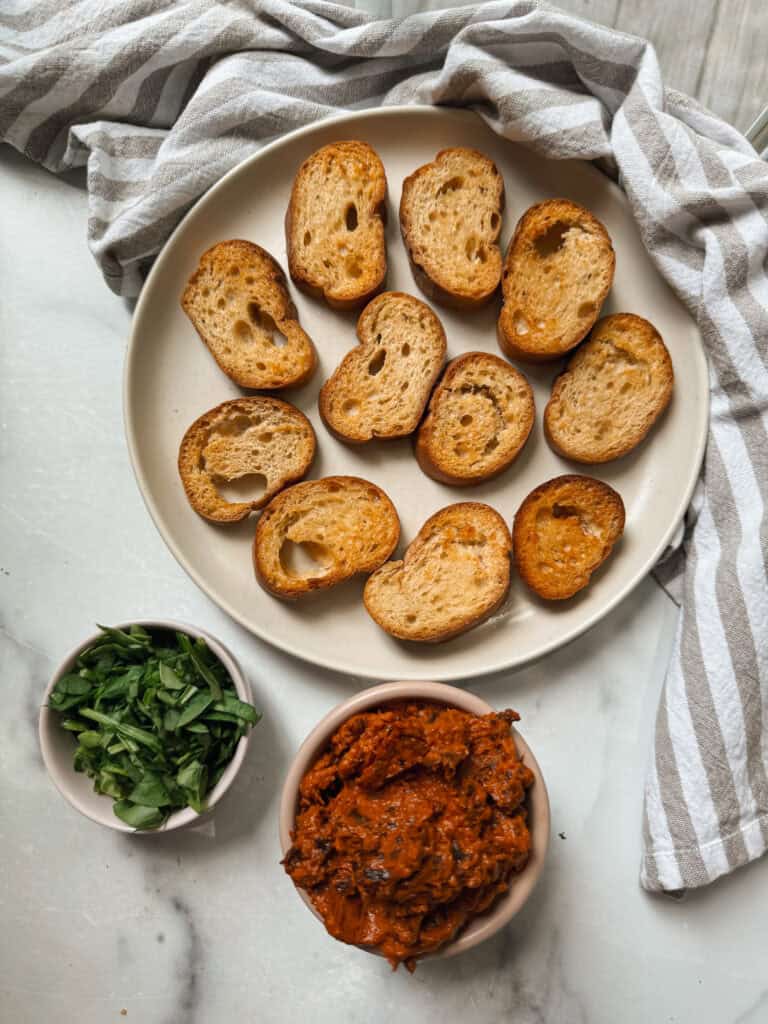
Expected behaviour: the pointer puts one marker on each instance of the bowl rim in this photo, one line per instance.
(47, 722)
(509, 903)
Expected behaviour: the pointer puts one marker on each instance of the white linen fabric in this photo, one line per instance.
(158, 99)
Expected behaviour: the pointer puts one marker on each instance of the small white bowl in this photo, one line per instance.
(58, 748)
(509, 903)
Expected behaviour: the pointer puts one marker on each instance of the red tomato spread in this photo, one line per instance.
(411, 823)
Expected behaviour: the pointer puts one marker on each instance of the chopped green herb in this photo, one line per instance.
(156, 720)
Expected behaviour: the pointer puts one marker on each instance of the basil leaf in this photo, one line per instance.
(107, 783)
(151, 792)
(88, 738)
(234, 706)
(207, 675)
(169, 679)
(193, 779)
(196, 707)
(127, 640)
(71, 685)
(131, 731)
(198, 727)
(171, 719)
(137, 816)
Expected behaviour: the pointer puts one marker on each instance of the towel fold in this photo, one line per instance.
(159, 99)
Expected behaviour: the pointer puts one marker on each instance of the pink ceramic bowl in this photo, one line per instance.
(57, 746)
(507, 905)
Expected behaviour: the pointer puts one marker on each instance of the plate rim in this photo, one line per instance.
(213, 594)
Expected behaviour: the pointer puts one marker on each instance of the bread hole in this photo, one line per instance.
(521, 324)
(242, 331)
(305, 559)
(307, 237)
(377, 362)
(266, 437)
(261, 366)
(249, 279)
(452, 185)
(221, 303)
(564, 511)
(586, 309)
(494, 221)
(266, 324)
(234, 271)
(432, 214)
(232, 426)
(405, 350)
(250, 487)
(410, 619)
(351, 407)
(353, 267)
(206, 292)
(625, 387)
(548, 243)
(332, 488)
(465, 420)
(405, 385)
(350, 217)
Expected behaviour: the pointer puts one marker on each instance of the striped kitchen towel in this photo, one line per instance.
(158, 99)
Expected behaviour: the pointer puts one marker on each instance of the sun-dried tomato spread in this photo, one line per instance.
(410, 824)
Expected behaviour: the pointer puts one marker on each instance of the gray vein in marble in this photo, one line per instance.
(31, 668)
(543, 998)
(189, 969)
(756, 1012)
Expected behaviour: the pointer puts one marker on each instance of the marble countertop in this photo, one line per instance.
(204, 926)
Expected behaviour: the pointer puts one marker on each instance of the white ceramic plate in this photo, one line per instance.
(171, 379)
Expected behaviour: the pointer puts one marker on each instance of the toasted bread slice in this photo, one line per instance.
(614, 388)
(257, 442)
(454, 574)
(381, 387)
(557, 273)
(321, 532)
(564, 530)
(238, 302)
(335, 225)
(450, 218)
(480, 416)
